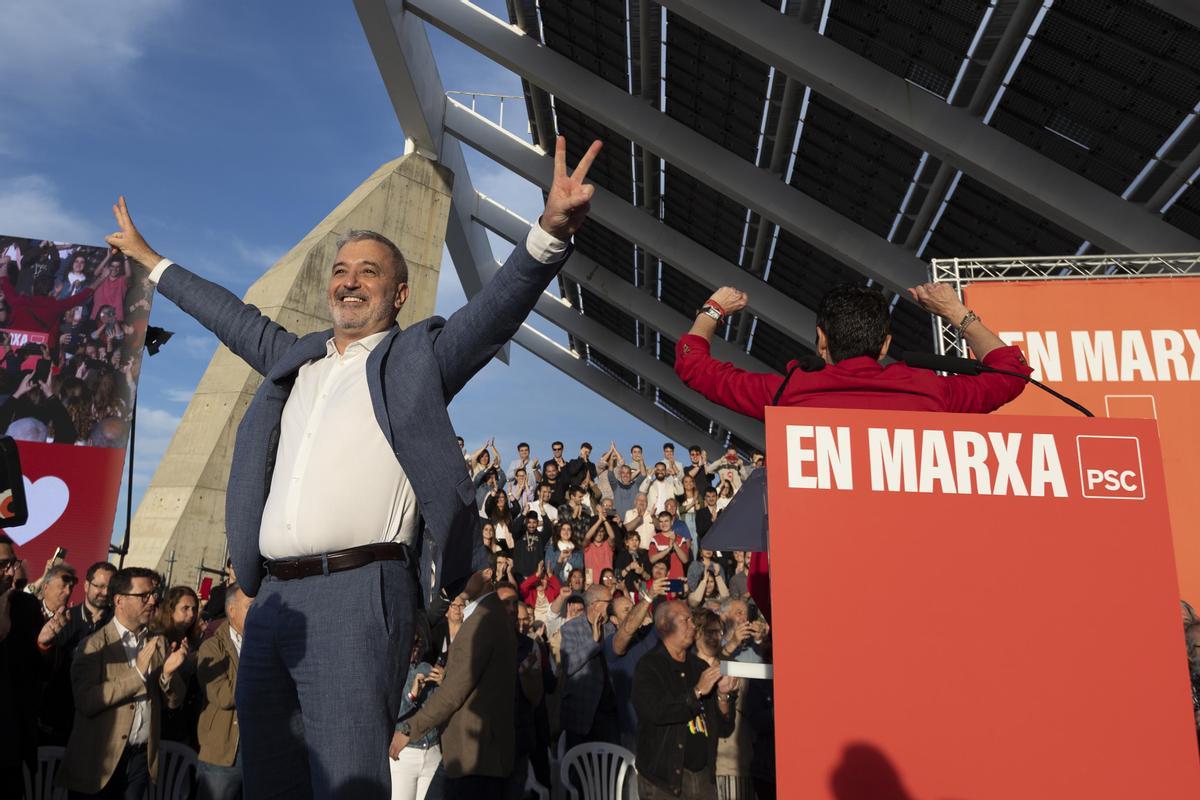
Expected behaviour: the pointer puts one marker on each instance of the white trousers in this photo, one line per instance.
(413, 771)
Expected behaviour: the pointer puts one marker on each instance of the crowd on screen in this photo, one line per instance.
(600, 565)
(72, 320)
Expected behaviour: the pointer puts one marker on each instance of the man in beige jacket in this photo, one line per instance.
(120, 679)
(219, 773)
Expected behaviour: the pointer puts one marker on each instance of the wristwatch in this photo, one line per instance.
(711, 312)
(405, 728)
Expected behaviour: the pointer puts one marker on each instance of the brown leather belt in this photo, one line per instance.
(287, 569)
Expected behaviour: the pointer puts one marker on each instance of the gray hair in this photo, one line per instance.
(28, 429)
(729, 602)
(63, 570)
(233, 593)
(595, 594)
(371, 236)
(664, 623)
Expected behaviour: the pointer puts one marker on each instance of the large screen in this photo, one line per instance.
(72, 324)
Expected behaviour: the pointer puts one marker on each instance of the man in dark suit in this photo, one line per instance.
(345, 466)
(475, 705)
(20, 672)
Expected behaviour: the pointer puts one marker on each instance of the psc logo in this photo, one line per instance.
(1110, 467)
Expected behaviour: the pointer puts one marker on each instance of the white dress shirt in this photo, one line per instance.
(139, 733)
(337, 483)
(237, 640)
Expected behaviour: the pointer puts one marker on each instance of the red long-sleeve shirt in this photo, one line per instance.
(37, 312)
(860, 382)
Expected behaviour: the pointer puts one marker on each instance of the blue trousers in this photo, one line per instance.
(216, 782)
(320, 679)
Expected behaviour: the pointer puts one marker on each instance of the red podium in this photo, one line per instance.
(975, 607)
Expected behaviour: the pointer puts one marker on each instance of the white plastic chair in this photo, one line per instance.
(176, 772)
(556, 757)
(41, 786)
(532, 785)
(606, 772)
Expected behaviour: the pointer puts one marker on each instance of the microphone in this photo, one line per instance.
(970, 366)
(953, 364)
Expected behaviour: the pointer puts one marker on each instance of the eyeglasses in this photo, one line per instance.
(145, 597)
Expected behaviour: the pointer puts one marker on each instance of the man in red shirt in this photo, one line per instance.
(669, 546)
(853, 338)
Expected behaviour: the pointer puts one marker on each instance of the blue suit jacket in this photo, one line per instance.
(412, 375)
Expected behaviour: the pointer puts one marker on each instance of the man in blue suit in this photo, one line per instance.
(345, 467)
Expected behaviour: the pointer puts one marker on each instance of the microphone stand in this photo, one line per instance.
(1040, 385)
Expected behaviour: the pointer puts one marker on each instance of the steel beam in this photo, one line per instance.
(677, 143)
(658, 373)
(949, 133)
(1178, 177)
(695, 261)
(405, 60)
(622, 294)
(613, 390)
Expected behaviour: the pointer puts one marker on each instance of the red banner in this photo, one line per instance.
(1123, 348)
(979, 607)
(72, 496)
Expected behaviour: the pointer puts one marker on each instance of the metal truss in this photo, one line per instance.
(962, 272)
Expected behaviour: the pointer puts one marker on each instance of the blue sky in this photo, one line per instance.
(233, 128)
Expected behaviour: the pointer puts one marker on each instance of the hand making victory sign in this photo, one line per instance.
(569, 200)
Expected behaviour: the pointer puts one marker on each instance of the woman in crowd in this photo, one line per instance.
(734, 752)
(724, 495)
(709, 589)
(416, 768)
(487, 545)
(178, 621)
(563, 554)
(106, 398)
(111, 290)
(520, 491)
(741, 572)
(598, 549)
(539, 591)
(499, 514)
(689, 503)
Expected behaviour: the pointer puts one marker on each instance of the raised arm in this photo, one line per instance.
(253, 337)
(474, 333)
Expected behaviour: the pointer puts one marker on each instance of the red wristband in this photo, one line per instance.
(717, 306)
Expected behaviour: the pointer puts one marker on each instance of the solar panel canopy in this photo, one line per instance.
(1107, 89)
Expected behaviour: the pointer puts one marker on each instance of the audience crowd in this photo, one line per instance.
(596, 614)
(72, 322)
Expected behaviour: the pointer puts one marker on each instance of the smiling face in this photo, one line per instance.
(364, 292)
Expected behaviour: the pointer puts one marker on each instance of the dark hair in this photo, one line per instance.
(122, 581)
(548, 486)
(695, 449)
(710, 489)
(164, 618)
(670, 445)
(855, 320)
(576, 599)
(662, 514)
(588, 445)
(6, 539)
(533, 515)
(555, 444)
(397, 257)
(638, 446)
(98, 566)
(522, 444)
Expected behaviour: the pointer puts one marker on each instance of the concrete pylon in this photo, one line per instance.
(183, 510)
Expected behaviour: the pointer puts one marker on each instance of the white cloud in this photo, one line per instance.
(55, 50)
(258, 255)
(30, 206)
(195, 346)
(179, 395)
